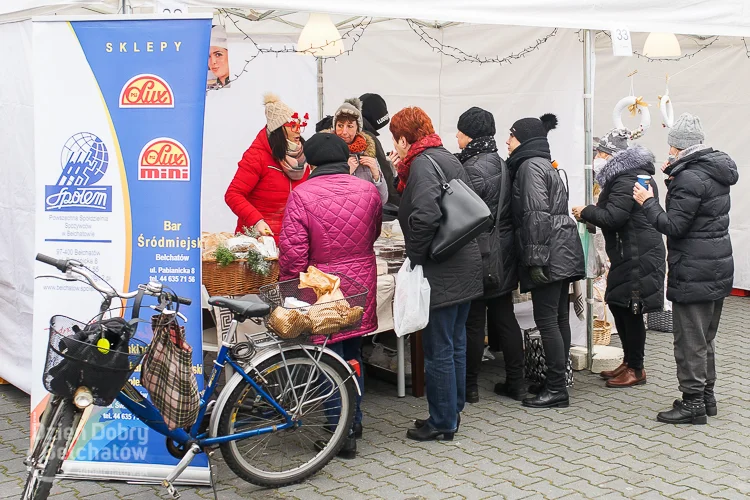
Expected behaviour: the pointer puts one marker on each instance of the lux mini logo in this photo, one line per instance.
(146, 91)
(164, 159)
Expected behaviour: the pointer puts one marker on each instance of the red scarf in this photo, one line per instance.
(358, 145)
(426, 142)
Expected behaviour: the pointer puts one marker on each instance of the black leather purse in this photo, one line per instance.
(465, 216)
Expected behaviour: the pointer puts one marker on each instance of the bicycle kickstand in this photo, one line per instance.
(179, 469)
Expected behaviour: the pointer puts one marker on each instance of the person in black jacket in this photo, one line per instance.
(701, 267)
(635, 283)
(490, 179)
(549, 250)
(454, 283)
(375, 115)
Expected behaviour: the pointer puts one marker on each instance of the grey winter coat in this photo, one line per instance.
(485, 172)
(459, 279)
(701, 267)
(635, 249)
(546, 236)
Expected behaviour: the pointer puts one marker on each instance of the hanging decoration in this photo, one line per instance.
(354, 33)
(666, 109)
(636, 106)
(463, 57)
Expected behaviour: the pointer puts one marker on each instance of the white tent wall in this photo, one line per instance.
(16, 205)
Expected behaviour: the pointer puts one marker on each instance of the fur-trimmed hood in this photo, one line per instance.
(370, 150)
(636, 157)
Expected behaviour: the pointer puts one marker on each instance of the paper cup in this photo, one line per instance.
(644, 181)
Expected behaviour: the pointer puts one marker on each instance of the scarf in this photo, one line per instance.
(294, 163)
(480, 145)
(330, 169)
(538, 147)
(426, 142)
(358, 145)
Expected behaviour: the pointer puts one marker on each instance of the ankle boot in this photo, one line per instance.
(710, 399)
(511, 389)
(548, 399)
(691, 410)
(612, 374)
(628, 378)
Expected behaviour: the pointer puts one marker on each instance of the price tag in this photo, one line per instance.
(622, 45)
(170, 7)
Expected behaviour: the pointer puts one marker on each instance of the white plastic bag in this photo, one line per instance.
(411, 301)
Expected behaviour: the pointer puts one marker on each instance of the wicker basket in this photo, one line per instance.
(602, 327)
(660, 321)
(236, 279)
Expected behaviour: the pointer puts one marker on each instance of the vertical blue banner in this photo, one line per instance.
(152, 78)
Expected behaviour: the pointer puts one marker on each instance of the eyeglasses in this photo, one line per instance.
(296, 124)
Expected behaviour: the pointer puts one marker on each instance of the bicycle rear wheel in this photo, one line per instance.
(49, 451)
(322, 408)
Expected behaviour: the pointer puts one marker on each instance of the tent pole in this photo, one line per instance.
(125, 7)
(320, 88)
(588, 124)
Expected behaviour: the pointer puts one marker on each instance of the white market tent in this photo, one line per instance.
(392, 60)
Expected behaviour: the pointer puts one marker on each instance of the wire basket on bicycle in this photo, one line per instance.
(100, 356)
(299, 311)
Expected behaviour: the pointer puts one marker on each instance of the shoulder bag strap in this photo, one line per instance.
(443, 180)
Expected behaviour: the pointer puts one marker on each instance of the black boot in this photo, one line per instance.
(691, 410)
(419, 423)
(348, 451)
(357, 430)
(548, 399)
(427, 433)
(511, 389)
(708, 398)
(472, 396)
(536, 388)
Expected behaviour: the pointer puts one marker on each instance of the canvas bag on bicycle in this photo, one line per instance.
(167, 373)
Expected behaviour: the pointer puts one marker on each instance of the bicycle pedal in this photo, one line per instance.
(171, 489)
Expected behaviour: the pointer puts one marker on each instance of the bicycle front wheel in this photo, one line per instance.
(319, 396)
(49, 451)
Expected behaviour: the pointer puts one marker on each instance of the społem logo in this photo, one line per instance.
(84, 159)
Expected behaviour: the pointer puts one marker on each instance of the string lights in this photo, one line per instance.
(662, 59)
(463, 57)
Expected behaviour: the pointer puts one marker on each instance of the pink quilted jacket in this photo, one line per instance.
(331, 222)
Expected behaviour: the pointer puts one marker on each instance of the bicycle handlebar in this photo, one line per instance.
(75, 267)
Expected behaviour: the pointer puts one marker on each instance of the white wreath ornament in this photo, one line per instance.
(624, 104)
(667, 111)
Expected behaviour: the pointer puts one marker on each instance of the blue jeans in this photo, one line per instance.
(444, 343)
(352, 349)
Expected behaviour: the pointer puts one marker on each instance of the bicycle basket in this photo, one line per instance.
(326, 318)
(74, 359)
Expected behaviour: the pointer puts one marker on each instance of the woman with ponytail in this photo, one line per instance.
(550, 255)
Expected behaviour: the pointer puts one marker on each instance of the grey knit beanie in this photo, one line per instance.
(687, 131)
(350, 107)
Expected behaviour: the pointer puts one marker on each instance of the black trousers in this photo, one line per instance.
(551, 315)
(632, 333)
(503, 332)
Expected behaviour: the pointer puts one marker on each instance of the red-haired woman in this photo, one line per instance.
(454, 283)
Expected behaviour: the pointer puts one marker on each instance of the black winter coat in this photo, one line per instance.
(701, 267)
(485, 172)
(635, 249)
(385, 166)
(459, 279)
(546, 236)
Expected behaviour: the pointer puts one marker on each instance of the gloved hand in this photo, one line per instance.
(537, 275)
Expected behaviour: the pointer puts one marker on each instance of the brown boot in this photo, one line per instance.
(628, 378)
(617, 371)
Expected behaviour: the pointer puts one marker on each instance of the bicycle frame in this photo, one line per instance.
(146, 412)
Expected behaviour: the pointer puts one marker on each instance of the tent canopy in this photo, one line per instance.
(699, 17)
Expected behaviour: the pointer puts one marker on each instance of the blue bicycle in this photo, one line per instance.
(283, 415)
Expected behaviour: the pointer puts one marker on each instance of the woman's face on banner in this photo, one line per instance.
(218, 62)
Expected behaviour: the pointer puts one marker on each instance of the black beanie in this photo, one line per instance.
(477, 122)
(324, 124)
(530, 128)
(324, 148)
(375, 111)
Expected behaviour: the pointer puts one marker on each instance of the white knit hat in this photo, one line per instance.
(278, 114)
(352, 107)
(219, 37)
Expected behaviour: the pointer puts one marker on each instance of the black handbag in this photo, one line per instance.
(489, 247)
(465, 216)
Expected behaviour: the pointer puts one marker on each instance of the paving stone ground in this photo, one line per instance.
(607, 445)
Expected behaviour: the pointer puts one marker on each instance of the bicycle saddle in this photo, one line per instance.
(243, 308)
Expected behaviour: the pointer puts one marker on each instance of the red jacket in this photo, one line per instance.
(260, 187)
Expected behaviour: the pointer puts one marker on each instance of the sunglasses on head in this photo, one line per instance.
(296, 124)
